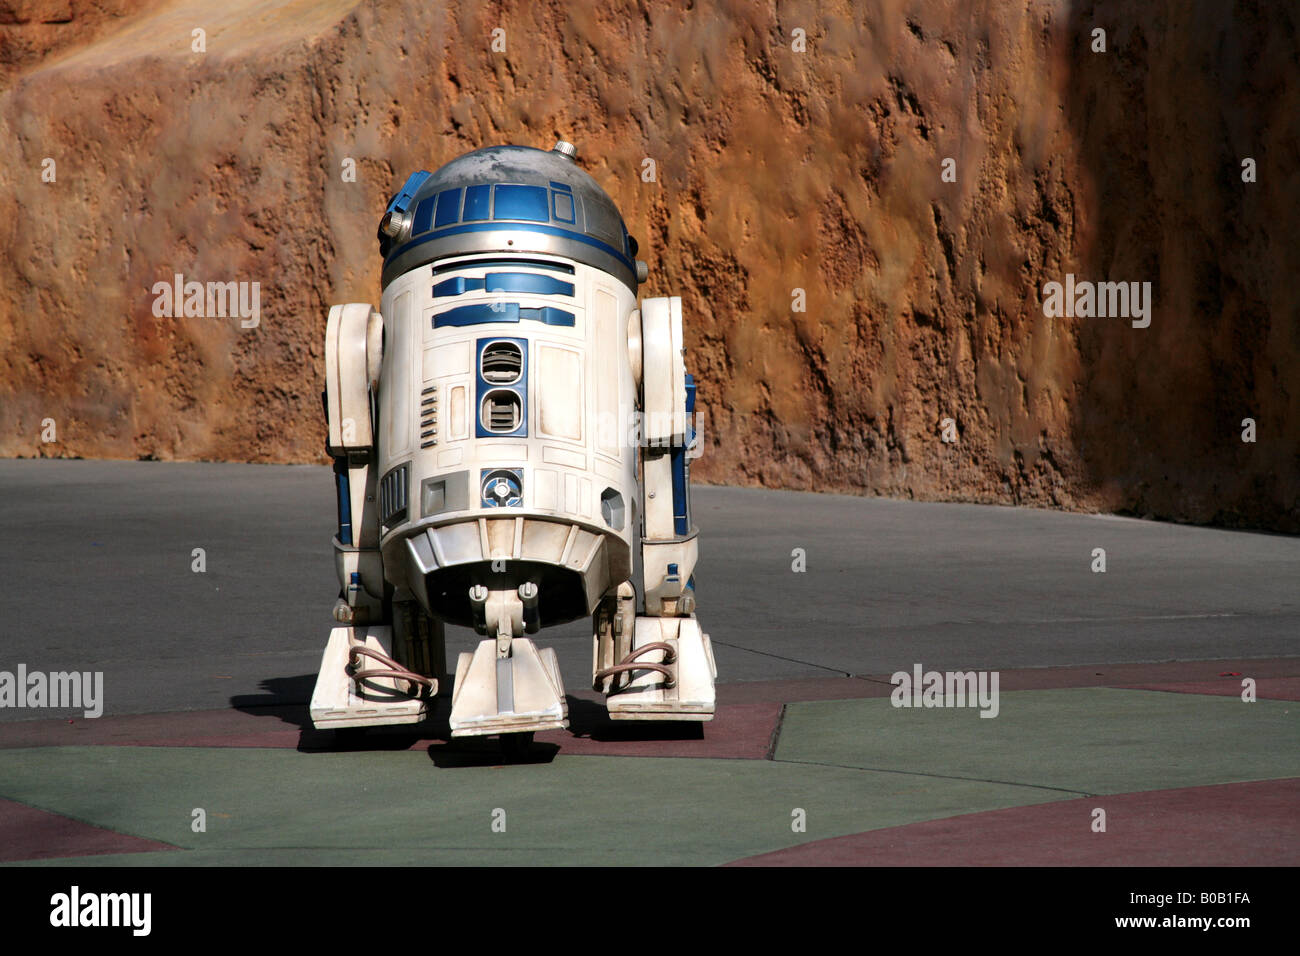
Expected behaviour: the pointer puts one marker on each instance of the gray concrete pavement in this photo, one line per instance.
(96, 563)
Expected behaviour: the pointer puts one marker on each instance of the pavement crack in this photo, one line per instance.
(776, 734)
(780, 657)
(937, 776)
(874, 680)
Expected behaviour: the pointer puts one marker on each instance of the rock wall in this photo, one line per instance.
(796, 146)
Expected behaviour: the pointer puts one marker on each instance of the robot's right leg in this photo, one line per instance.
(360, 683)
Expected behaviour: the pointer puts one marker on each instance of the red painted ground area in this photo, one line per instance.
(202, 728)
(741, 731)
(1234, 824)
(747, 714)
(30, 834)
(1266, 688)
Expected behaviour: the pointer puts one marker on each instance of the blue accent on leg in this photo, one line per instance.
(681, 503)
(345, 501)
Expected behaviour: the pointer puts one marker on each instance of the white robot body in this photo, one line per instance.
(503, 427)
(518, 450)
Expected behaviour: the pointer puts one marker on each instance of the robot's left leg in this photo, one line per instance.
(651, 667)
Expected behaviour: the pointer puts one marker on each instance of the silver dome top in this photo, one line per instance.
(507, 199)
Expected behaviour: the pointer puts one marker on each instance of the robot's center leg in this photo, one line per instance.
(500, 613)
(507, 685)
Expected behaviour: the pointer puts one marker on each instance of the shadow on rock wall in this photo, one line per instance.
(1185, 92)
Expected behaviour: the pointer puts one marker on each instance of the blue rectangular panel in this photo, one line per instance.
(477, 315)
(345, 501)
(527, 282)
(485, 313)
(448, 208)
(457, 286)
(681, 503)
(476, 202)
(423, 216)
(521, 202)
(548, 315)
(482, 387)
(562, 187)
(563, 207)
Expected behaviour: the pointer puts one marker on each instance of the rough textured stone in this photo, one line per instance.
(776, 170)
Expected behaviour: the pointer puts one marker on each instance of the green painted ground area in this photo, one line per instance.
(280, 806)
(1088, 740)
(851, 765)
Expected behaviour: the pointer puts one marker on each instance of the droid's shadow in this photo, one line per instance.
(490, 752)
(285, 698)
(590, 719)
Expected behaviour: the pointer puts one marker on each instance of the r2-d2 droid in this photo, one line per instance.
(500, 428)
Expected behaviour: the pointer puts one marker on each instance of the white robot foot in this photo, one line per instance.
(518, 693)
(668, 673)
(360, 685)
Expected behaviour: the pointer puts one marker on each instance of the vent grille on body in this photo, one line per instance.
(502, 412)
(502, 364)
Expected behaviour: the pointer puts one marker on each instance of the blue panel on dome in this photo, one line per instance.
(448, 208)
(423, 216)
(476, 202)
(563, 207)
(526, 282)
(562, 187)
(521, 202)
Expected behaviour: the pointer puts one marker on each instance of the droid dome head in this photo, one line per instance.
(507, 199)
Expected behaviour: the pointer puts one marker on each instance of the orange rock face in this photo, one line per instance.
(844, 296)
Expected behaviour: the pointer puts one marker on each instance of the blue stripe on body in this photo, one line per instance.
(516, 227)
(526, 282)
(485, 313)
